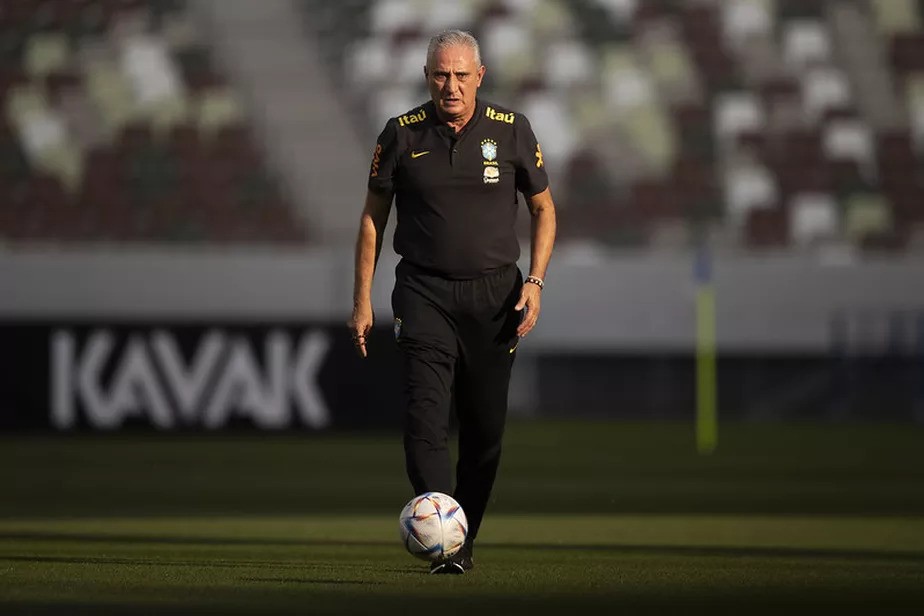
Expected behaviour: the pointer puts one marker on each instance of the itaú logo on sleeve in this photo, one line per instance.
(149, 379)
(412, 118)
(499, 116)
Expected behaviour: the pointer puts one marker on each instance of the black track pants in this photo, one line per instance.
(457, 339)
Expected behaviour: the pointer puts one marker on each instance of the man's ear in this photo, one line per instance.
(426, 72)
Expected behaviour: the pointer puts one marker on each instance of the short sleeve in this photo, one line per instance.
(384, 160)
(531, 177)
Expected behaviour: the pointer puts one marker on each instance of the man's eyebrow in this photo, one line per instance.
(446, 73)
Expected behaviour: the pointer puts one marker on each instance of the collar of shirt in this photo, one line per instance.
(447, 133)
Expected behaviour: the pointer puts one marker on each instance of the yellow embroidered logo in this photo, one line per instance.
(412, 118)
(498, 116)
(539, 162)
(375, 160)
(515, 345)
(419, 154)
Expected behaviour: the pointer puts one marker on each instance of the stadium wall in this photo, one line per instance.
(632, 302)
(110, 338)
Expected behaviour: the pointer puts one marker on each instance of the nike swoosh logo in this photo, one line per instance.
(419, 154)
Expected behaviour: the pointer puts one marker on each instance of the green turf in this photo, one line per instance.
(609, 517)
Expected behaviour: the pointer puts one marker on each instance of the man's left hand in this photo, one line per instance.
(531, 300)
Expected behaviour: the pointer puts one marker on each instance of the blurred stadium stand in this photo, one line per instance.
(117, 126)
(768, 124)
(786, 125)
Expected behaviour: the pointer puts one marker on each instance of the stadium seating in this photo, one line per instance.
(784, 124)
(117, 126)
(777, 124)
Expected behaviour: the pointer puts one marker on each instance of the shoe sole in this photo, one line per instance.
(447, 568)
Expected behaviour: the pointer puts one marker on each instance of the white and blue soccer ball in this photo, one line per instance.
(433, 526)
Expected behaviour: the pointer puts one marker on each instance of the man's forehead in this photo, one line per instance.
(454, 56)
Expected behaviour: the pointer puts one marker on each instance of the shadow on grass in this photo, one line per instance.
(208, 563)
(664, 550)
(337, 603)
(294, 580)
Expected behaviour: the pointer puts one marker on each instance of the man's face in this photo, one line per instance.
(453, 78)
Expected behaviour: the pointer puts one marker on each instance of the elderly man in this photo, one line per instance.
(454, 166)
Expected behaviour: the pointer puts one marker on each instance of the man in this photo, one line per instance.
(454, 166)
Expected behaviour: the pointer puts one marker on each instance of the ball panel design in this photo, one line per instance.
(433, 526)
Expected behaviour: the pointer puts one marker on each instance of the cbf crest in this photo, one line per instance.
(491, 170)
(489, 149)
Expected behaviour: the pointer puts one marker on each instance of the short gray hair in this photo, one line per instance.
(451, 38)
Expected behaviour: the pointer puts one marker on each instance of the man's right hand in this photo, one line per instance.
(360, 325)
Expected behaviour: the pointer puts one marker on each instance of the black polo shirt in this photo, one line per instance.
(456, 193)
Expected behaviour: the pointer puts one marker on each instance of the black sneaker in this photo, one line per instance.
(465, 556)
(446, 567)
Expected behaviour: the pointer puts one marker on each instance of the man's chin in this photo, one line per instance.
(454, 108)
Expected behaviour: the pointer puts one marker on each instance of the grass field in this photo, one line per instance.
(609, 517)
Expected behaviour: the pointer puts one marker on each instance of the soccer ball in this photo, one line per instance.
(433, 526)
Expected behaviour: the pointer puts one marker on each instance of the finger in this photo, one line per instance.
(359, 342)
(524, 299)
(358, 328)
(523, 328)
(529, 322)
